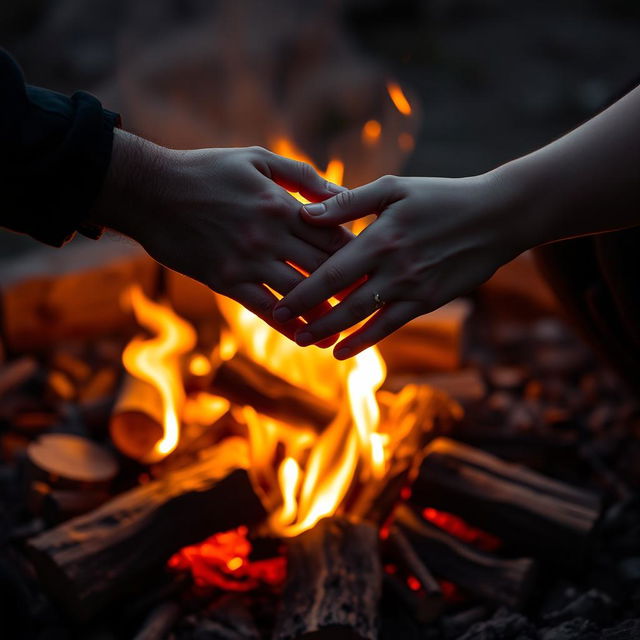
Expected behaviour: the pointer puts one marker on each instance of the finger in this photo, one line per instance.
(353, 204)
(283, 278)
(303, 255)
(295, 175)
(336, 274)
(358, 306)
(328, 240)
(259, 300)
(389, 319)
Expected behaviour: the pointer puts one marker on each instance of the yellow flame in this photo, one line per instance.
(333, 173)
(398, 98)
(156, 360)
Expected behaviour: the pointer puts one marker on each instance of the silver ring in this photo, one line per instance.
(378, 301)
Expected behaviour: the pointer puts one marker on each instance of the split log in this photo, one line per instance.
(527, 510)
(497, 580)
(70, 462)
(435, 341)
(136, 424)
(114, 550)
(333, 583)
(244, 382)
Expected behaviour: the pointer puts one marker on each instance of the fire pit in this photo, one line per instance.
(180, 463)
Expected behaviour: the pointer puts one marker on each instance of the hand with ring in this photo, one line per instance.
(433, 239)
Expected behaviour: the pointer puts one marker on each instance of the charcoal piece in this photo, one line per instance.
(576, 629)
(505, 625)
(593, 605)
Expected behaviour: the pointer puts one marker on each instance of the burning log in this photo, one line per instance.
(245, 382)
(333, 583)
(497, 580)
(137, 418)
(100, 556)
(524, 508)
(415, 585)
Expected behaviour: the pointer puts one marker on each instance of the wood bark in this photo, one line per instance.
(527, 510)
(333, 583)
(498, 580)
(105, 554)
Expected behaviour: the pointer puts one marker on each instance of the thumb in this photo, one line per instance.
(351, 205)
(295, 175)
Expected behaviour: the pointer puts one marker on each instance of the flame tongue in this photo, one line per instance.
(157, 361)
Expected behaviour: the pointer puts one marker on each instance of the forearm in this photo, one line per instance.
(586, 182)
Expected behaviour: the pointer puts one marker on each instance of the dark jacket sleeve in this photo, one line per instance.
(54, 154)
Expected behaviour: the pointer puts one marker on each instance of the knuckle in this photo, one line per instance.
(305, 172)
(359, 309)
(258, 150)
(334, 277)
(387, 181)
(345, 199)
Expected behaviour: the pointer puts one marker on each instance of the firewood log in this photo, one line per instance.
(435, 341)
(498, 580)
(529, 511)
(245, 382)
(112, 551)
(333, 583)
(70, 294)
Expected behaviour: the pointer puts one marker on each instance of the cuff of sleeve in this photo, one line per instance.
(103, 150)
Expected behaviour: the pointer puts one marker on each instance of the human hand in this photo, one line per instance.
(220, 216)
(434, 239)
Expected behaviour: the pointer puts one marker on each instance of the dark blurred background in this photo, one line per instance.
(489, 79)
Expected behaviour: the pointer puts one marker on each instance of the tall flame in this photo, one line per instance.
(156, 360)
(301, 472)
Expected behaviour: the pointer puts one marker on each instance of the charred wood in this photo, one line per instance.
(526, 509)
(107, 553)
(333, 584)
(496, 580)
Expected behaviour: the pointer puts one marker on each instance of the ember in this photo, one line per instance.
(223, 561)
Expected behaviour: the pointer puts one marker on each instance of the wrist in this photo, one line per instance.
(132, 187)
(525, 203)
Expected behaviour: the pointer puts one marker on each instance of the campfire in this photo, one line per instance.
(182, 470)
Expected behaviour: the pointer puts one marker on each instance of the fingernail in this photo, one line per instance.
(342, 354)
(282, 314)
(335, 188)
(304, 339)
(316, 209)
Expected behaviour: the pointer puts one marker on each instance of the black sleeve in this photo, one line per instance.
(54, 154)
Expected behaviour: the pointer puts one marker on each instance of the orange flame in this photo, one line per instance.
(301, 473)
(398, 98)
(333, 173)
(157, 361)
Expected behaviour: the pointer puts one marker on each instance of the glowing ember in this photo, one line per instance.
(398, 98)
(457, 527)
(223, 561)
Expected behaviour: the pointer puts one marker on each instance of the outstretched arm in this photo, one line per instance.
(436, 238)
(220, 216)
